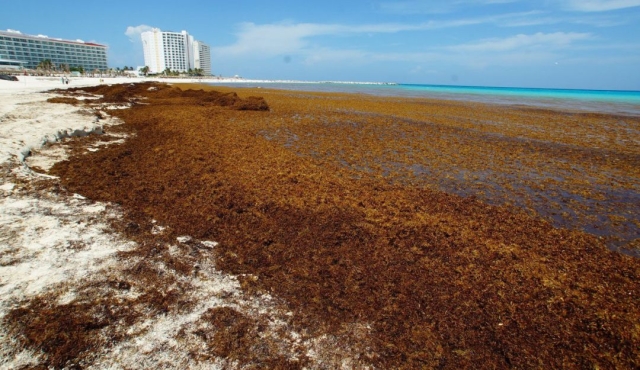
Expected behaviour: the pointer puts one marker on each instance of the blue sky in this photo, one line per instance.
(544, 43)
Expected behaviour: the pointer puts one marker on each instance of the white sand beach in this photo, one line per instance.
(59, 247)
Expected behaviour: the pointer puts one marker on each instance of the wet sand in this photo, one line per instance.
(420, 233)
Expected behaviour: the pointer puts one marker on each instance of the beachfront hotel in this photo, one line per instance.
(177, 51)
(202, 57)
(18, 50)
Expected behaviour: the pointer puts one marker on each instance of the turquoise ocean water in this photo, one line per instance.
(605, 101)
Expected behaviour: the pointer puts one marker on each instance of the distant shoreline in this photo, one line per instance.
(242, 80)
(594, 101)
(625, 103)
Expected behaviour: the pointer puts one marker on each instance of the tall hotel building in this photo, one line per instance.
(202, 57)
(177, 51)
(20, 50)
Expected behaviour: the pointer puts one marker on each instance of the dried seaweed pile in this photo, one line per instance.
(315, 199)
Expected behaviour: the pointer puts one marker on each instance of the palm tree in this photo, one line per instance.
(45, 65)
(144, 70)
(78, 69)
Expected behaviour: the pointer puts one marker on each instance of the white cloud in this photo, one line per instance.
(268, 40)
(476, 59)
(449, 6)
(541, 41)
(257, 42)
(518, 50)
(272, 39)
(601, 5)
(362, 57)
(286, 38)
(608, 60)
(416, 7)
(133, 32)
(434, 6)
(325, 55)
(540, 18)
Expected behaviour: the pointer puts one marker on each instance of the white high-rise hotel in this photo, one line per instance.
(177, 51)
(18, 50)
(202, 57)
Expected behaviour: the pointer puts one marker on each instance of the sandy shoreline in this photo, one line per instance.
(60, 254)
(61, 246)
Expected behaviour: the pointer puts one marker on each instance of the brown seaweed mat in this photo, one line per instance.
(333, 204)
